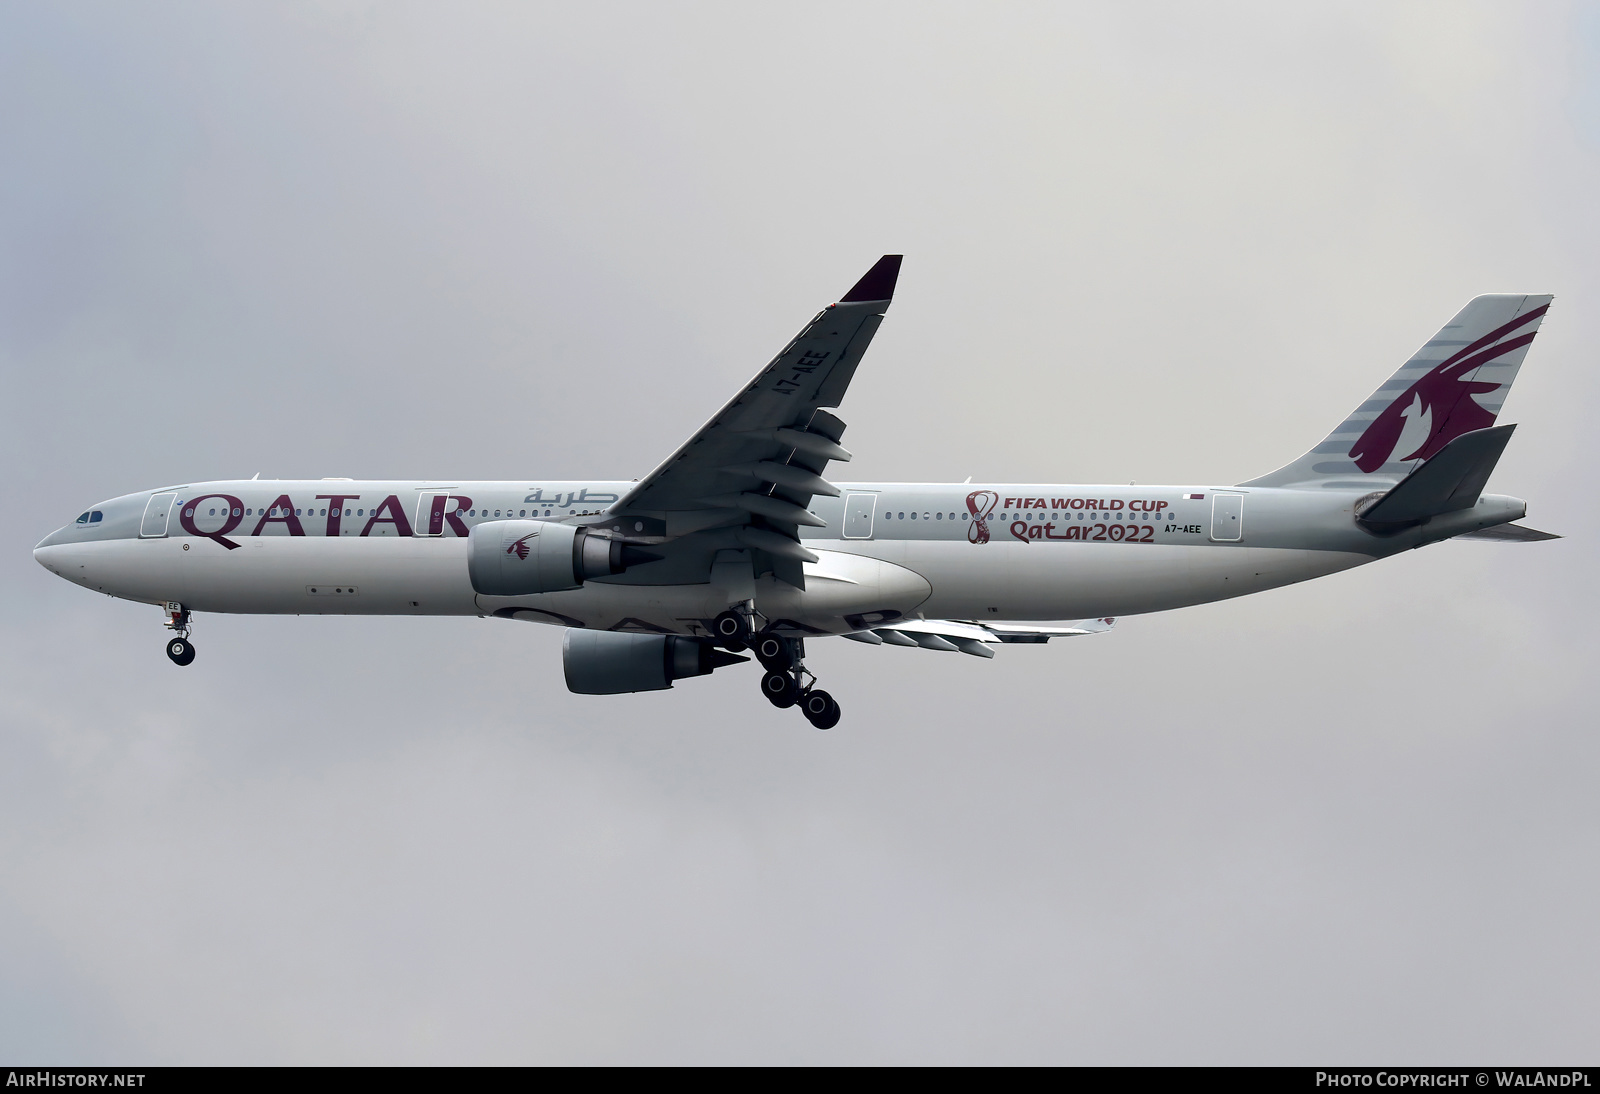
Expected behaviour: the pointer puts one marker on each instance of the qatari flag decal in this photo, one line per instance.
(1194, 497)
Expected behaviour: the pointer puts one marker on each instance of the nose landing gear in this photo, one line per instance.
(787, 683)
(179, 648)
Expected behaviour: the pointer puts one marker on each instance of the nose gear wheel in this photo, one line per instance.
(181, 650)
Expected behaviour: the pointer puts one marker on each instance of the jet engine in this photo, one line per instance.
(614, 662)
(523, 557)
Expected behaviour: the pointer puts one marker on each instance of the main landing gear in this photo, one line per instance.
(787, 683)
(179, 648)
(733, 630)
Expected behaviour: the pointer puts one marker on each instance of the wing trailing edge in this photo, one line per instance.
(971, 637)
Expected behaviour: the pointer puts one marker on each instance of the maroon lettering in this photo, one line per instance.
(391, 505)
(335, 509)
(289, 520)
(232, 515)
(436, 514)
(447, 509)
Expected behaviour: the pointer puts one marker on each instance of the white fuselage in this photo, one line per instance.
(954, 551)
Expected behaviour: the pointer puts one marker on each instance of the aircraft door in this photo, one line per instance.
(156, 515)
(858, 510)
(431, 506)
(1227, 517)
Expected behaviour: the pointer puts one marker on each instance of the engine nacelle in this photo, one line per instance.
(614, 662)
(523, 557)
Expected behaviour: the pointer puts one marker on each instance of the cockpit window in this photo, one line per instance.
(96, 516)
(84, 519)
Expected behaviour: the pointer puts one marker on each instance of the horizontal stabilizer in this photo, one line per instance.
(1450, 480)
(1509, 533)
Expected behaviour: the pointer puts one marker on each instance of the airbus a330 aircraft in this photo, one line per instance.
(737, 542)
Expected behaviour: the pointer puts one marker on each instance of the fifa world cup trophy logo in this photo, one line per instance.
(980, 503)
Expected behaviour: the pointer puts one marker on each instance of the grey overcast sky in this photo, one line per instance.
(1351, 821)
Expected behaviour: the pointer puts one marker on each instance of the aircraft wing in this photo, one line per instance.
(967, 636)
(756, 465)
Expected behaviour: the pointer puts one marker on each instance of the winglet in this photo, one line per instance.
(877, 283)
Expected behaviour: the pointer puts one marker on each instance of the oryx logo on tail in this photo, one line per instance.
(1440, 406)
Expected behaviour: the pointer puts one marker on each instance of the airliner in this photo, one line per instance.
(737, 545)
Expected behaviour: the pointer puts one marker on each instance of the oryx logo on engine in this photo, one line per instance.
(520, 547)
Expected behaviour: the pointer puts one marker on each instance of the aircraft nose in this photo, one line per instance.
(65, 560)
(48, 555)
(58, 536)
(59, 553)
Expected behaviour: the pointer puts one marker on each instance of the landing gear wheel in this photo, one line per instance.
(780, 689)
(820, 709)
(181, 650)
(777, 654)
(731, 630)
